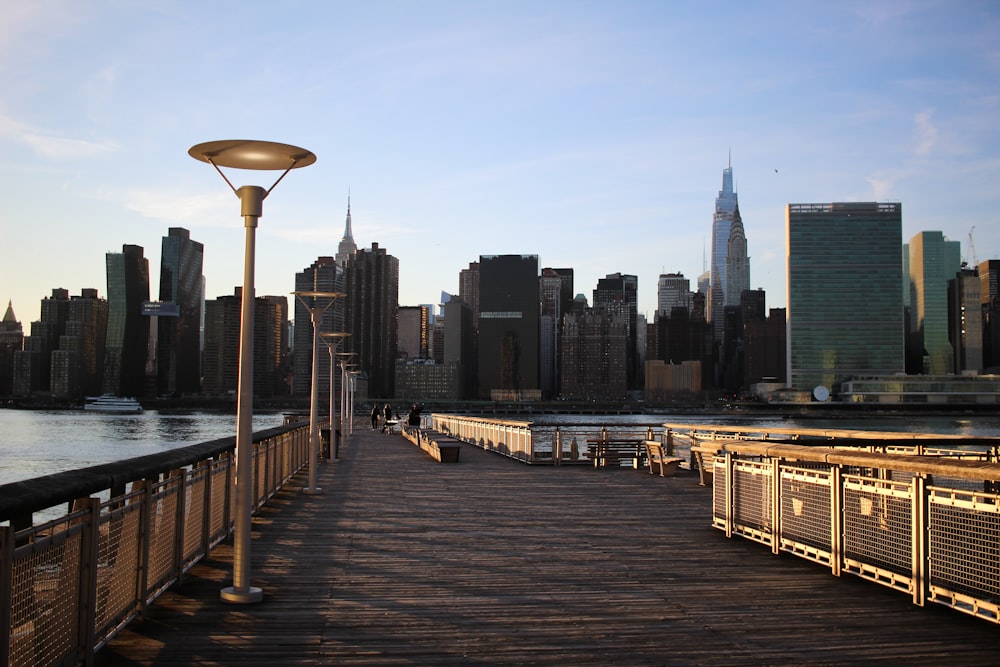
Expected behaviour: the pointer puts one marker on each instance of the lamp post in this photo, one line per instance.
(332, 340)
(345, 415)
(267, 156)
(309, 300)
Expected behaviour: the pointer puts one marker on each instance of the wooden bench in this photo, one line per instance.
(611, 453)
(442, 448)
(659, 461)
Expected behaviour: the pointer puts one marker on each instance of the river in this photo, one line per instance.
(41, 442)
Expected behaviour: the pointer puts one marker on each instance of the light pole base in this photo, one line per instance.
(252, 595)
(313, 492)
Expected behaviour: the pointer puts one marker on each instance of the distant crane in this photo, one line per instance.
(972, 248)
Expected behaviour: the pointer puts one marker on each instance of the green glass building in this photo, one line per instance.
(844, 281)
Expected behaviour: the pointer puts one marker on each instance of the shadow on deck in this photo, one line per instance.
(406, 561)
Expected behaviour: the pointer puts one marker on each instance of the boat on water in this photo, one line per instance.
(111, 404)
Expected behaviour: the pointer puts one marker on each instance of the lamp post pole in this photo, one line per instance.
(308, 299)
(258, 155)
(345, 414)
(332, 341)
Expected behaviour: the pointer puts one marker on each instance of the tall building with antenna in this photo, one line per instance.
(729, 273)
(347, 245)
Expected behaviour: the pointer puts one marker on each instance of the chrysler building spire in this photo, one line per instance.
(347, 246)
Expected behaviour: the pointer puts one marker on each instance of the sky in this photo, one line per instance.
(591, 134)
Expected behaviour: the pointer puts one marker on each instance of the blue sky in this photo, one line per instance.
(592, 134)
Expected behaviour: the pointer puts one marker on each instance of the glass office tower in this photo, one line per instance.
(844, 280)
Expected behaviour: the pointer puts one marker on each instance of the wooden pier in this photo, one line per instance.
(405, 561)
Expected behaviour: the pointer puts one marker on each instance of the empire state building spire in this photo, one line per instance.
(347, 246)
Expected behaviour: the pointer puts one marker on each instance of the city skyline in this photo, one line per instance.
(592, 136)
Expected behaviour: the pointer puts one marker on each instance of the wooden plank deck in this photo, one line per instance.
(404, 561)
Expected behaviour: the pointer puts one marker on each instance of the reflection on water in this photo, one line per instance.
(41, 442)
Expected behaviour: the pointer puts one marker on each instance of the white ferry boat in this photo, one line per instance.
(112, 404)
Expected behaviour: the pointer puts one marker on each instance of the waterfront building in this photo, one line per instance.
(764, 349)
(834, 334)
(33, 364)
(667, 382)
(423, 379)
(684, 335)
(78, 363)
(178, 358)
(965, 321)
(595, 355)
(933, 261)
(508, 327)
(371, 281)
(223, 317)
(323, 275)
(923, 389)
(989, 293)
(720, 293)
(619, 293)
(11, 341)
(127, 340)
(468, 289)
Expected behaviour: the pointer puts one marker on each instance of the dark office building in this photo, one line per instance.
(685, 335)
(127, 338)
(179, 339)
(595, 351)
(371, 282)
(764, 349)
(989, 293)
(460, 345)
(78, 363)
(222, 344)
(620, 293)
(324, 275)
(508, 327)
(33, 364)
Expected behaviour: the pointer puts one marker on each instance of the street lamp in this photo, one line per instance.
(267, 156)
(345, 415)
(309, 300)
(332, 340)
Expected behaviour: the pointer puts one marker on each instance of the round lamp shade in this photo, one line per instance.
(248, 154)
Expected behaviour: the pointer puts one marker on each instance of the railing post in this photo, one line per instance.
(836, 520)
(730, 481)
(179, 527)
(557, 447)
(918, 487)
(668, 441)
(205, 469)
(6, 584)
(776, 506)
(87, 600)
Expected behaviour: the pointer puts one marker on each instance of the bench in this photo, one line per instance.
(442, 448)
(659, 460)
(605, 453)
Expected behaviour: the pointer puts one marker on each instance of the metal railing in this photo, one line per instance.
(928, 526)
(69, 584)
(538, 443)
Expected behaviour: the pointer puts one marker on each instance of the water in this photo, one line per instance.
(41, 442)
(38, 442)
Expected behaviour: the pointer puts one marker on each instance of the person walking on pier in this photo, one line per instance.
(387, 412)
(375, 413)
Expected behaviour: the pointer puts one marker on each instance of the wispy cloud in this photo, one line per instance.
(49, 144)
(215, 210)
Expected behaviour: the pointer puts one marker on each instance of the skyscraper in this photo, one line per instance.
(673, 290)
(33, 364)
(844, 283)
(989, 293)
(508, 326)
(77, 366)
(347, 246)
(371, 282)
(179, 339)
(726, 211)
(618, 292)
(324, 275)
(737, 262)
(555, 288)
(933, 262)
(127, 338)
